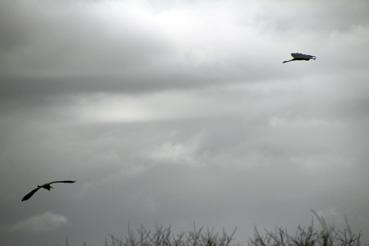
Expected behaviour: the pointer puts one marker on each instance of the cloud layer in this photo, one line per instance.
(174, 112)
(45, 222)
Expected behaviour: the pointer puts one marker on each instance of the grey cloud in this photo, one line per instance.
(40, 223)
(174, 122)
(67, 39)
(313, 16)
(72, 47)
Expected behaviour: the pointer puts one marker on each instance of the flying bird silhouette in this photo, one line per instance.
(46, 186)
(300, 57)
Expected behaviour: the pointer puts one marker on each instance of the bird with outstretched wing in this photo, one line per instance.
(300, 57)
(46, 186)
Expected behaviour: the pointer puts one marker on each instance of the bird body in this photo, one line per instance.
(46, 186)
(300, 57)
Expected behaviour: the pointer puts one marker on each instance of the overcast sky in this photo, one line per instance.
(181, 112)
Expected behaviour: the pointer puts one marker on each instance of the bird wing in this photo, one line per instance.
(62, 181)
(28, 196)
(302, 56)
(299, 55)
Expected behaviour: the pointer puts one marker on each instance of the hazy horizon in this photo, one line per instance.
(181, 112)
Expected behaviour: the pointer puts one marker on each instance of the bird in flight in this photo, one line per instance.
(300, 57)
(46, 186)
